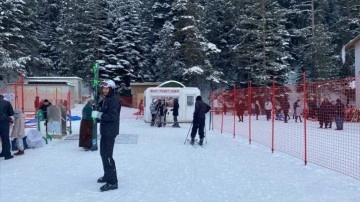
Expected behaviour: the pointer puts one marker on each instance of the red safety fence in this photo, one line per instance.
(316, 122)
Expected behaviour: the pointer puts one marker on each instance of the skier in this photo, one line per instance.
(175, 111)
(201, 109)
(109, 128)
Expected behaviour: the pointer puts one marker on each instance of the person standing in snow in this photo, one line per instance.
(86, 126)
(18, 131)
(6, 111)
(201, 109)
(175, 111)
(161, 113)
(268, 107)
(240, 109)
(297, 112)
(153, 111)
(339, 115)
(109, 117)
(286, 107)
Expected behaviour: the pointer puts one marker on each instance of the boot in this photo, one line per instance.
(201, 141)
(192, 141)
(108, 186)
(9, 157)
(20, 152)
(101, 180)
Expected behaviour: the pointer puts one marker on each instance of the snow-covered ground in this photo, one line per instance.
(153, 164)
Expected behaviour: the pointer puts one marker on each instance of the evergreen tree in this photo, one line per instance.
(127, 61)
(194, 50)
(17, 41)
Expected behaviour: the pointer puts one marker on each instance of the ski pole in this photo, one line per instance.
(205, 134)
(188, 133)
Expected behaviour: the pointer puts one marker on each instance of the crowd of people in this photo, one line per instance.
(325, 113)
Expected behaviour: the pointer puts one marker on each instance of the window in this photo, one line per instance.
(190, 100)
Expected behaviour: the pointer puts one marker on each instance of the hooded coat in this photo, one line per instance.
(19, 124)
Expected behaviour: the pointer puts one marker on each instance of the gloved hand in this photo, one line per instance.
(96, 114)
(99, 115)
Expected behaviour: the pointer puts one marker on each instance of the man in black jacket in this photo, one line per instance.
(109, 116)
(6, 110)
(201, 109)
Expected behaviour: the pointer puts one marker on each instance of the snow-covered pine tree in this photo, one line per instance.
(194, 50)
(47, 14)
(17, 39)
(127, 61)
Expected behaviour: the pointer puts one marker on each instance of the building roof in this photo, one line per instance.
(172, 83)
(352, 43)
(349, 46)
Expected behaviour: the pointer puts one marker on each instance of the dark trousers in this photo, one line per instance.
(286, 115)
(339, 122)
(106, 153)
(268, 114)
(241, 117)
(198, 125)
(153, 117)
(5, 139)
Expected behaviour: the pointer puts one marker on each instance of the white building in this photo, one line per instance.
(355, 44)
(185, 95)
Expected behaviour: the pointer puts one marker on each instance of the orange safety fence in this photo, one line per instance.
(30, 97)
(324, 133)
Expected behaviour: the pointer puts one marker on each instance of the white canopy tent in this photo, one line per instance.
(185, 95)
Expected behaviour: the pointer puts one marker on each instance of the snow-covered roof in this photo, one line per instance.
(172, 83)
(349, 46)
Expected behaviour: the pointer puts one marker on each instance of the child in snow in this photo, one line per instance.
(18, 130)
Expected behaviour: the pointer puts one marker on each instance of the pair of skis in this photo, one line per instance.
(196, 143)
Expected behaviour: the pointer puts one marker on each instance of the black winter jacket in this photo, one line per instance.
(110, 119)
(6, 110)
(201, 109)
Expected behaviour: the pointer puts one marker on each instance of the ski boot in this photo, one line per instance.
(201, 142)
(108, 186)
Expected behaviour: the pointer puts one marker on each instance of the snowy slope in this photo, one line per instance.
(153, 164)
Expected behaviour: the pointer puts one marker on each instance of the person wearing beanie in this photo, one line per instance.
(44, 107)
(18, 131)
(109, 116)
(6, 111)
(201, 109)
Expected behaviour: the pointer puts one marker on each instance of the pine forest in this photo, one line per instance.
(195, 42)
